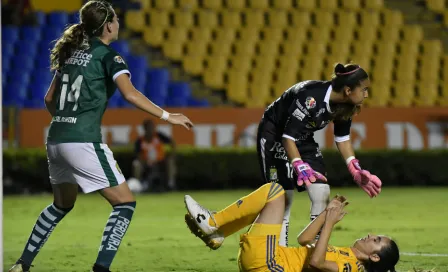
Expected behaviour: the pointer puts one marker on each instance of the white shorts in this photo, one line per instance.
(90, 165)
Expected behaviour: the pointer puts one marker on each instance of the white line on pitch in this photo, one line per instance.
(423, 254)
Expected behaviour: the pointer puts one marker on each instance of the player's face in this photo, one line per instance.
(358, 94)
(371, 244)
(114, 28)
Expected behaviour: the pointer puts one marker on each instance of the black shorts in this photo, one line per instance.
(275, 165)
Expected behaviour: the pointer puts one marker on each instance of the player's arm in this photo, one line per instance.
(136, 98)
(371, 184)
(50, 97)
(308, 235)
(139, 100)
(317, 260)
(342, 138)
(117, 69)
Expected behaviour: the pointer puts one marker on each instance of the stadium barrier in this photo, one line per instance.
(229, 168)
(374, 128)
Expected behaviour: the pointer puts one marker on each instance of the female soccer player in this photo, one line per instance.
(88, 71)
(260, 249)
(287, 151)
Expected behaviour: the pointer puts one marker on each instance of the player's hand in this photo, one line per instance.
(180, 119)
(305, 174)
(334, 215)
(337, 201)
(371, 184)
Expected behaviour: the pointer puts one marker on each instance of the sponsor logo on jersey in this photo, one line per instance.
(118, 59)
(302, 108)
(79, 58)
(298, 114)
(279, 152)
(273, 174)
(118, 168)
(324, 123)
(321, 111)
(239, 202)
(311, 124)
(310, 102)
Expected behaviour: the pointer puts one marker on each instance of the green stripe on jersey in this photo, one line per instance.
(105, 165)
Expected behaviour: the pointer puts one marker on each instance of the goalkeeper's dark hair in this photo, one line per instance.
(389, 256)
(92, 18)
(349, 75)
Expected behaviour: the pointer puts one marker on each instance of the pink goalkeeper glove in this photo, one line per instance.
(305, 174)
(371, 184)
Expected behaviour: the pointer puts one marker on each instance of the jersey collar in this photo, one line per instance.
(327, 98)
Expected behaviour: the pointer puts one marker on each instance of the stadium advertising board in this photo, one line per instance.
(399, 128)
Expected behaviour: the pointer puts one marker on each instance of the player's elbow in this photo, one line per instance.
(302, 241)
(48, 100)
(315, 263)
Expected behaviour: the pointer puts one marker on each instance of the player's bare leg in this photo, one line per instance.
(64, 195)
(272, 212)
(123, 203)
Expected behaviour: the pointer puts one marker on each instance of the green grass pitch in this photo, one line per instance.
(158, 239)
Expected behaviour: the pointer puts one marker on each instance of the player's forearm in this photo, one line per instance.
(346, 149)
(291, 148)
(137, 99)
(309, 233)
(318, 257)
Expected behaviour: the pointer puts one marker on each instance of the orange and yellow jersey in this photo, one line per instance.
(150, 151)
(297, 258)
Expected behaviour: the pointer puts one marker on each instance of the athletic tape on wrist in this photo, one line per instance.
(349, 159)
(165, 115)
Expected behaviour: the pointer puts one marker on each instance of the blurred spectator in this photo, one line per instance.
(17, 12)
(153, 166)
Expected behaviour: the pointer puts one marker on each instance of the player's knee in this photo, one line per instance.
(64, 208)
(274, 191)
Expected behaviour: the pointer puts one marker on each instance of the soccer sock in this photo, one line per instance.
(115, 229)
(245, 210)
(47, 221)
(319, 195)
(283, 240)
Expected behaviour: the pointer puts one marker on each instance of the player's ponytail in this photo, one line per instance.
(389, 256)
(72, 38)
(93, 16)
(349, 75)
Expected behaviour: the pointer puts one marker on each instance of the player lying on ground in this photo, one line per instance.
(88, 71)
(259, 248)
(287, 151)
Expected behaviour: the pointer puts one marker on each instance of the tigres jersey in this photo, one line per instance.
(344, 258)
(298, 259)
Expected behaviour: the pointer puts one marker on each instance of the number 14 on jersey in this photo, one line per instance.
(73, 93)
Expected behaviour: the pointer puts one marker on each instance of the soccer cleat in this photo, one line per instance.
(18, 268)
(200, 215)
(197, 220)
(213, 241)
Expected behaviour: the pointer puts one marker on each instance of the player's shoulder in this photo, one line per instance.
(105, 52)
(348, 260)
(309, 85)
